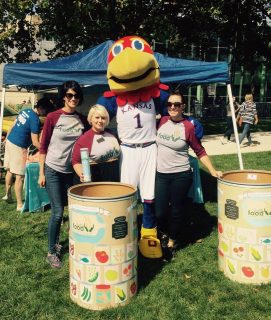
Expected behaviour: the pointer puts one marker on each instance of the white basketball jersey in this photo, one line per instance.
(136, 123)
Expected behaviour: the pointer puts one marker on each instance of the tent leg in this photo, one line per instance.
(33, 99)
(2, 114)
(235, 128)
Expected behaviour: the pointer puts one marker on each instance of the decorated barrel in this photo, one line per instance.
(244, 226)
(102, 244)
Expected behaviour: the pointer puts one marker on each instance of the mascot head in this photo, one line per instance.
(131, 65)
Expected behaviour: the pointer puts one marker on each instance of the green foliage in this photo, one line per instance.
(189, 288)
(76, 25)
(247, 30)
(17, 34)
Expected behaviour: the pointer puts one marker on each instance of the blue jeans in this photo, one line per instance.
(57, 184)
(246, 132)
(229, 130)
(171, 188)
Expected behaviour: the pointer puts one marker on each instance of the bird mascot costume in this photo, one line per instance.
(136, 96)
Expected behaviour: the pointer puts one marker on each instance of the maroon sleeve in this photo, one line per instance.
(76, 156)
(192, 140)
(85, 141)
(48, 129)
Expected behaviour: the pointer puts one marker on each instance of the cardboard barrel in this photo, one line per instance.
(102, 244)
(244, 226)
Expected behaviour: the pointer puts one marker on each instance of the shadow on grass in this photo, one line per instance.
(65, 242)
(209, 186)
(197, 225)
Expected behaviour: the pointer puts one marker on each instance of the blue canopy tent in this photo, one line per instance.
(89, 68)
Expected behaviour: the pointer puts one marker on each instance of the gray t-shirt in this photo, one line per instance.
(173, 140)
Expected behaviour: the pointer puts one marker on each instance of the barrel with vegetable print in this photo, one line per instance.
(244, 226)
(102, 244)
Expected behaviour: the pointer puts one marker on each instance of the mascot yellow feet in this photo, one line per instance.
(149, 245)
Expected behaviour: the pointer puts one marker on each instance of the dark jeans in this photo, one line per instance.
(246, 132)
(171, 188)
(57, 184)
(229, 130)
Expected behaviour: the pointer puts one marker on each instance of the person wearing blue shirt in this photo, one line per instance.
(24, 132)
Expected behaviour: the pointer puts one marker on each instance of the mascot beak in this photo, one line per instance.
(132, 70)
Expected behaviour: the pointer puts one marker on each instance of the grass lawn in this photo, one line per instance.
(190, 287)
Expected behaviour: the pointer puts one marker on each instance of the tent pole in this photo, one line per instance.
(189, 101)
(33, 99)
(2, 114)
(235, 127)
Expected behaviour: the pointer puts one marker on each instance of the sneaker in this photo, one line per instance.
(53, 260)
(19, 208)
(167, 254)
(7, 198)
(163, 239)
(58, 248)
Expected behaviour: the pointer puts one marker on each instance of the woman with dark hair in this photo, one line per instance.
(176, 133)
(60, 131)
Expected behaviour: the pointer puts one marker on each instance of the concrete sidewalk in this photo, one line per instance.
(213, 146)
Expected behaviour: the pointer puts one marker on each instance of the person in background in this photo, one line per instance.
(103, 148)
(249, 116)
(174, 177)
(61, 129)
(24, 132)
(229, 131)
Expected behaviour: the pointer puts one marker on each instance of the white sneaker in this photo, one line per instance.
(19, 208)
(7, 198)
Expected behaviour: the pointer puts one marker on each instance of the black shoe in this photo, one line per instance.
(167, 254)
(171, 251)
(163, 237)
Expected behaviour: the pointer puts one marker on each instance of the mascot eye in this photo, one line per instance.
(138, 45)
(117, 49)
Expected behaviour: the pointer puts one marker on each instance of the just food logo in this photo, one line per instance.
(259, 213)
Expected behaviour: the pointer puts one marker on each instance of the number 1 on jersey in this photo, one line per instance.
(138, 121)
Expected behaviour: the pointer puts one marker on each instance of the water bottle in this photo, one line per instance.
(85, 164)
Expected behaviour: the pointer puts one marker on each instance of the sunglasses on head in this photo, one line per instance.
(175, 104)
(70, 96)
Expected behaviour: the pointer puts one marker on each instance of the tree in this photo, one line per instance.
(17, 34)
(247, 32)
(75, 25)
